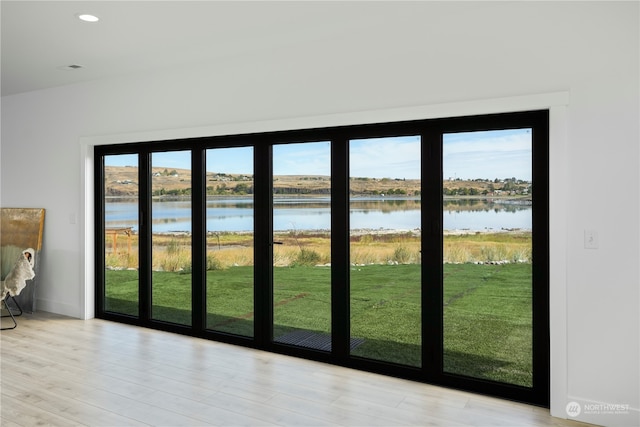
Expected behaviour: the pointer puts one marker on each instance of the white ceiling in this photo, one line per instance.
(41, 38)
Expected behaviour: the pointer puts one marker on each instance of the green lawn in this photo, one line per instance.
(487, 310)
(487, 322)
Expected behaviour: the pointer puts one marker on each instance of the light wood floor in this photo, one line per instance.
(63, 372)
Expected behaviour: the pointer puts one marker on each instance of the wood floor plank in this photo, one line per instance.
(25, 414)
(60, 371)
(68, 408)
(8, 423)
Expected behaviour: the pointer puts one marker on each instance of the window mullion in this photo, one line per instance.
(263, 245)
(340, 326)
(432, 253)
(198, 242)
(144, 236)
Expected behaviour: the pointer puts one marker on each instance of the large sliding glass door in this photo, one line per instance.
(487, 297)
(385, 243)
(415, 249)
(229, 240)
(121, 227)
(302, 244)
(171, 237)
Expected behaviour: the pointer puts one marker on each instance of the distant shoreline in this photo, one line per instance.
(362, 232)
(501, 198)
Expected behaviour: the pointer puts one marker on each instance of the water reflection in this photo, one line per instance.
(486, 205)
(314, 213)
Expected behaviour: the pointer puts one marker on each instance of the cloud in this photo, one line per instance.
(171, 159)
(396, 157)
(302, 159)
(487, 154)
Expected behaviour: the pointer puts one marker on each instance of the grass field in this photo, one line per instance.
(487, 310)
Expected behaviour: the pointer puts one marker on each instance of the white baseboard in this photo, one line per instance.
(57, 308)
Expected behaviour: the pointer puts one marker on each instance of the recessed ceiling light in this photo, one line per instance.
(70, 67)
(87, 17)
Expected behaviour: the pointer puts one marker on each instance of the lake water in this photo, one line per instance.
(315, 214)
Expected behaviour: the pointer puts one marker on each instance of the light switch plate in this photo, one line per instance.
(590, 239)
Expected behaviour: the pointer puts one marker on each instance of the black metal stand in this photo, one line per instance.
(13, 317)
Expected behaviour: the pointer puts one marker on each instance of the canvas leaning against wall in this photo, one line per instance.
(21, 228)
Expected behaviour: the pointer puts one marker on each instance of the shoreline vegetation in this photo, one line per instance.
(172, 250)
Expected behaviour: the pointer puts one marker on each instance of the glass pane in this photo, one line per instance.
(302, 249)
(385, 230)
(229, 214)
(171, 236)
(487, 255)
(121, 233)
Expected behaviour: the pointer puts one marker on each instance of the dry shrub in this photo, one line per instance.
(457, 254)
(175, 256)
(213, 263)
(235, 256)
(307, 257)
(366, 256)
(402, 255)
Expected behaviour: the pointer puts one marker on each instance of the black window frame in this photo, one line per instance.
(430, 131)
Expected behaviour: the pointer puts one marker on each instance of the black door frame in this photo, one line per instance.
(431, 132)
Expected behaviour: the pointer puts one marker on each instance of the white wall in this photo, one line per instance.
(407, 57)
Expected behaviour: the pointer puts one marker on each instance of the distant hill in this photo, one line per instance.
(123, 181)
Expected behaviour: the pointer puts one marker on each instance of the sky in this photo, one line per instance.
(487, 154)
(467, 155)
(394, 157)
